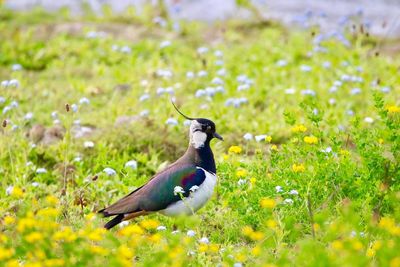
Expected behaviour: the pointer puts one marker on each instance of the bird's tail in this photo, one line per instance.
(116, 220)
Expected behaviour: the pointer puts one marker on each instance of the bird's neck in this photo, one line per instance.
(203, 156)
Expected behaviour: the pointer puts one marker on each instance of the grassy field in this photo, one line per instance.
(308, 172)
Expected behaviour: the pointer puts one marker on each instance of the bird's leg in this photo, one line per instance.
(130, 216)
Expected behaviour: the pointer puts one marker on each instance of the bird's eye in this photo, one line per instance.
(208, 127)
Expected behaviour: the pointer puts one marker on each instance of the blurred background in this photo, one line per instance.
(381, 17)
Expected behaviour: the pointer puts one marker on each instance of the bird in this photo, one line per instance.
(182, 188)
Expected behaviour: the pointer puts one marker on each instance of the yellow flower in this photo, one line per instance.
(131, 230)
(8, 220)
(310, 139)
(66, 234)
(98, 250)
(256, 251)
(52, 200)
(48, 212)
(97, 234)
(337, 244)
(213, 248)
(5, 253)
(389, 225)
(344, 152)
(235, 149)
(393, 109)
(155, 238)
(256, 236)
(268, 139)
(3, 238)
(317, 227)
(149, 224)
(268, 203)
(175, 252)
(380, 141)
(33, 264)
(272, 224)
(12, 263)
(225, 156)
(253, 180)
(298, 168)
(241, 173)
(247, 230)
(203, 248)
(370, 253)
(17, 192)
(241, 257)
(125, 252)
(395, 262)
(54, 262)
(299, 128)
(274, 148)
(34, 237)
(357, 245)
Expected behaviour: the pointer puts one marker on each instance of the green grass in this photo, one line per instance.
(346, 212)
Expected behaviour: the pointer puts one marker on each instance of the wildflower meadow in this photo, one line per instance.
(308, 172)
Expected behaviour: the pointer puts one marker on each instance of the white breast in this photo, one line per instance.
(195, 200)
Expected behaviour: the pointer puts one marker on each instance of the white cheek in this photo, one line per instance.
(198, 139)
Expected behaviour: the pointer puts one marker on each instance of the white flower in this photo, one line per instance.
(217, 80)
(248, 136)
(9, 190)
(333, 89)
(144, 113)
(237, 264)
(305, 68)
(28, 116)
(123, 224)
(290, 91)
(131, 164)
(221, 72)
(74, 107)
(164, 73)
(178, 190)
(350, 112)
(144, 97)
(175, 232)
(202, 73)
(189, 74)
(315, 111)
(88, 144)
(78, 159)
(193, 188)
(13, 83)
(308, 92)
(84, 100)
(219, 63)
(242, 182)
(293, 192)
(326, 64)
(144, 83)
(337, 83)
(161, 228)
(190, 233)
(385, 89)
(243, 87)
(160, 90)
(35, 184)
(281, 63)
(4, 83)
(171, 121)
(204, 240)
(115, 47)
(278, 189)
(54, 115)
(202, 50)
(2, 100)
(288, 201)
(126, 49)
(164, 44)
(355, 91)
(327, 150)
(369, 120)
(41, 170)
(218, 53)
(332, 101)
(260, 137)
(109, 171)
(187, 122)
(16, 67)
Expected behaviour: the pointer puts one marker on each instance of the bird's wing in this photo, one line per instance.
(158, 193)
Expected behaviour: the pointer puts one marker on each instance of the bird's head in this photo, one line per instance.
(201, 130)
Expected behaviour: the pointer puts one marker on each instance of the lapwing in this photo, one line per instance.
(180, 189)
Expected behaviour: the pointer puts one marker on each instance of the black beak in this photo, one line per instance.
(216, 135)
